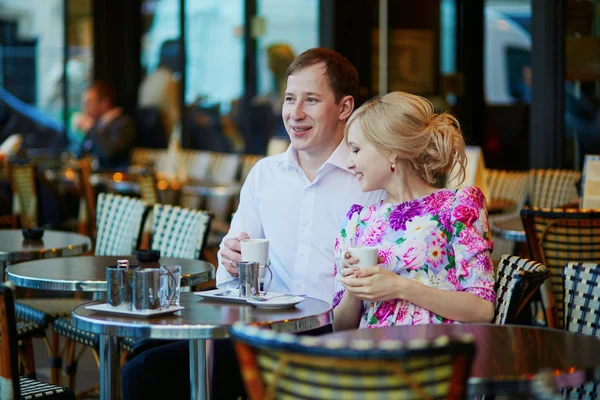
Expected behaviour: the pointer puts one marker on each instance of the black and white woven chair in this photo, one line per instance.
(281, 365)
(582, 312)
(517, 279)
(179, 232)
(556, 237)
(11, 385)
(118, 223)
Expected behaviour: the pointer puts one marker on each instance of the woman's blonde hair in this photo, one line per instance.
(405, 126)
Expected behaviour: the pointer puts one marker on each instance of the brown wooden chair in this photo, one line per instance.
(11, 385)
(556, 237)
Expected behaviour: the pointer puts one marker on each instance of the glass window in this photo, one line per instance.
(215, 73)
(80, 66)
(31, 71)
(582, 85)
(507, 85)
(160, 87)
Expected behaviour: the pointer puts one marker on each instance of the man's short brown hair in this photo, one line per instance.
(104, 90)
(342, 76)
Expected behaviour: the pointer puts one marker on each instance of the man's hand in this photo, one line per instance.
(231, 253)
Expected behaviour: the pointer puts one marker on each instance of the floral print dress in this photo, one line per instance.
(441, 240)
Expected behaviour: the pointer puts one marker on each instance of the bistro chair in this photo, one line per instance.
(282, 365)
(11, 385)
(582, 313)
(517, 279)
(118, 223)
(556, 237)
(25, 204)
(179, 232)
(550, 188)
(87, 204)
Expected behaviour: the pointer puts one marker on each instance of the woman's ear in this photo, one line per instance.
(347, 106)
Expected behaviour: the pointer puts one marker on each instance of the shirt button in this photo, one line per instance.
(309, 190)
(304, 223)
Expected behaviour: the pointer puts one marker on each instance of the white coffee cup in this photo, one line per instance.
(255, 250)
(367, 256)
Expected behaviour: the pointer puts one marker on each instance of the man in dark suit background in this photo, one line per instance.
(110, 132)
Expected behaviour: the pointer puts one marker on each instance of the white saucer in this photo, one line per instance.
(107, 308)
(279, 302)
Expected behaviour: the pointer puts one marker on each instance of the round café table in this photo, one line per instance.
(506, 356)
(88, 273)
(201, 319)
(509, 228)
(14, 248)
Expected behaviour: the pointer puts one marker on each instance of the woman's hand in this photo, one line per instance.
(375, 284)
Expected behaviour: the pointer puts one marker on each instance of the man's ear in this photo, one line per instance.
(347, 106)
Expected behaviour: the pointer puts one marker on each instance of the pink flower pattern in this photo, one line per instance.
(459, 261)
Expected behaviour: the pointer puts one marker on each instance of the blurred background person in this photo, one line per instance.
(110, 133)
(161, 88)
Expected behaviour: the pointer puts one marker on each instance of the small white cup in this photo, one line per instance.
(367, 256)
(255, 250)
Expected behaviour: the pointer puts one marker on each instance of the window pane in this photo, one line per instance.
(215, 70)
(507, 62)
(160, 88)
(81, 63)
(31, 69)
(582, 85)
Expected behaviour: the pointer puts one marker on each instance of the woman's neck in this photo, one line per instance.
(405, 186)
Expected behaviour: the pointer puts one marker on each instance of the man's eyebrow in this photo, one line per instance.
(304, 93)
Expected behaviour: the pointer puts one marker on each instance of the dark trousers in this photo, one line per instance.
(161, 370)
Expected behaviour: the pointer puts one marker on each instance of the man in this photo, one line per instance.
(110, 133)
(297, 200)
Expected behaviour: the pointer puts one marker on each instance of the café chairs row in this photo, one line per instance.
(177, 232)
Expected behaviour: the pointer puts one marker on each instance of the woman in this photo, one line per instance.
(434, 244)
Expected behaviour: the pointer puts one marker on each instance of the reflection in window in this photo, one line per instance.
(31, 64)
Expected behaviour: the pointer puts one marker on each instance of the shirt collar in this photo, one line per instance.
(338, 158)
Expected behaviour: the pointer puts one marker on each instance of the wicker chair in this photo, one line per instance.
(118, 225)
(582, 313)
(11, 385)
(556, 237)
(179, 232)
(282, 365)
(549, 188)
(22, 182)
(517, 279)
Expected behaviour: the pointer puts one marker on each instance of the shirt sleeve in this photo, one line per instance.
(246, 219)
(342, 242)
(472, 244)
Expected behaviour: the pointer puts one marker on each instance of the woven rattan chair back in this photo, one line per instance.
(179, 232)
(550, 188)
(556, 237)
(118, 223)
(517, 279)
(281, 365)
(22, 182)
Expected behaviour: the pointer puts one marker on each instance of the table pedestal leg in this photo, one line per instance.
(110, 374)
(199, 369)
(3, 265)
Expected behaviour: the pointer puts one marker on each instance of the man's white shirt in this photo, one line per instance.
(300, 218)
